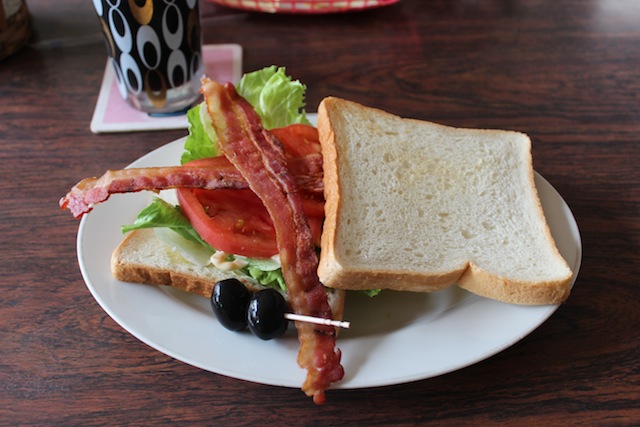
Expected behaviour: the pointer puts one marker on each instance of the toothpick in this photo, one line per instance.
(317, 320)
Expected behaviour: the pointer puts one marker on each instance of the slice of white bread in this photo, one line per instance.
(143, 258)
(418, 206)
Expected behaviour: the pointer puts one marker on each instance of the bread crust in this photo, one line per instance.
(137, 273)
(469, 276)
(328, 271)
(488, 285)
(159, 267)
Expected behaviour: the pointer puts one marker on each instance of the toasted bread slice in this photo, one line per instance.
(418, 206)
(142, 257)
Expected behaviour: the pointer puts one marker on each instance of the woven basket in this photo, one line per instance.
(304, 6)
(15, 26)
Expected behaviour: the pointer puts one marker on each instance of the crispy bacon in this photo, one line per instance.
(259, 157)
(211, 174)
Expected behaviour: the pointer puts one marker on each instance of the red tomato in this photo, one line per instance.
(236, 221)
(233, 221)
(298, 140)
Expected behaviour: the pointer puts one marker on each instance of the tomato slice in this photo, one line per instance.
(302, 140)
(233, 221)
(236, 221)
(298, 139)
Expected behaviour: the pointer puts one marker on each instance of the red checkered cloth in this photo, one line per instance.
(304, 6)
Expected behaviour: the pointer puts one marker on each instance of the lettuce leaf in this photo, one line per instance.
(202, 141)
(276, 97)
(372, 292)
(271, 279)
(162, 214)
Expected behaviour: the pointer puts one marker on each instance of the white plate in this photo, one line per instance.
(394, 338)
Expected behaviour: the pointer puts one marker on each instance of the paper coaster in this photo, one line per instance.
(222, 62)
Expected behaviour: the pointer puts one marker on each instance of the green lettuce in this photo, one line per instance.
(202, 141)
(270, 279)
(162, 214)
(276, 97)
(372, 292)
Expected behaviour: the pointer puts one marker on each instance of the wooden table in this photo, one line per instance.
(567, 72)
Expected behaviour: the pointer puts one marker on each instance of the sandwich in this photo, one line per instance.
(388, 202)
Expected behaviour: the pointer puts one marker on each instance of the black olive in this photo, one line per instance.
(265, 314)
(229, 301)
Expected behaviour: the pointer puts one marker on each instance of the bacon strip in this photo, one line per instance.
(259, 157)
(209, 174)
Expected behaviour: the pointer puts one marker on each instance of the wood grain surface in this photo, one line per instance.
(567, 72)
